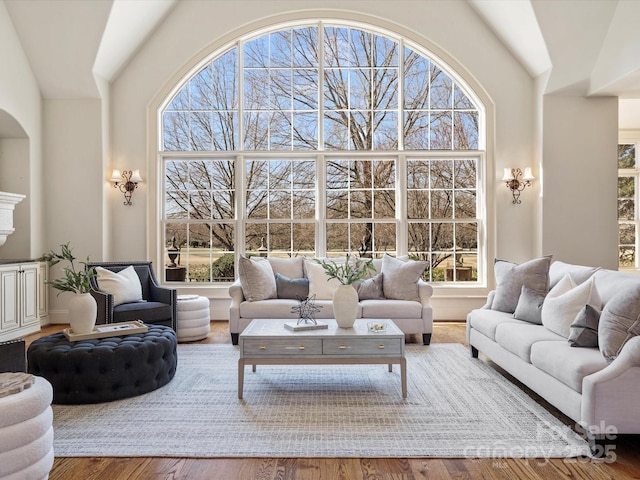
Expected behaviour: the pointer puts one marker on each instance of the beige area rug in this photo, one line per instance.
(456, 407)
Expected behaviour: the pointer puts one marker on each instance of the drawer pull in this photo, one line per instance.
(381, 347)
(301, 347)
(263, 347)
(342, 347)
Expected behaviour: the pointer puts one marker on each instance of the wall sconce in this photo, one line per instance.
(511, 179)
(126, 182)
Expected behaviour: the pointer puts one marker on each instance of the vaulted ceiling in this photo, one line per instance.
(582, 47)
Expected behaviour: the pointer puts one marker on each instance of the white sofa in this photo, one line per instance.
(412, 317)
(599, 394)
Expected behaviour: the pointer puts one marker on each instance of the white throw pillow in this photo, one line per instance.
(564, 302)
(400, 277)
(320, 284)
(257, 279)
(123, 285)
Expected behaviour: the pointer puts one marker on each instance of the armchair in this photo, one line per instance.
(159, 305)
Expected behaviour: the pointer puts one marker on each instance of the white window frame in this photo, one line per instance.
(632, 137)
(484, 187)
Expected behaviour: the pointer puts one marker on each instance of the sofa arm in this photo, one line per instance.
(104, 302)
(237, 297)
(599, 407)
(235, 292)
(425, 291)
(161, 294)
(489, 301)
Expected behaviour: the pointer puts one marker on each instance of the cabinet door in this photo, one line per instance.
(9, 295)
(29, 298)
(43, 291)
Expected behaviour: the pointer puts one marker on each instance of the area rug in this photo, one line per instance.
(456, 407)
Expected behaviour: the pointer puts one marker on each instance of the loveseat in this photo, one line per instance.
(586, 364)
(394, 291)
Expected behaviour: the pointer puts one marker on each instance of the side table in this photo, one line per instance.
(194, 321)
(26, 428)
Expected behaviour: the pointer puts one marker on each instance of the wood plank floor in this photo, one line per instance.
(624, 463)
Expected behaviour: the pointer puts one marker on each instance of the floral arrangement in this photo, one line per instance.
(76, 279)
(350, 271)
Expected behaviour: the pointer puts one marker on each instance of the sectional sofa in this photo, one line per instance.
(269, 287)
(575, 342)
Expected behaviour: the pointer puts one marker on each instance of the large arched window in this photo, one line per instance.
(318, 140)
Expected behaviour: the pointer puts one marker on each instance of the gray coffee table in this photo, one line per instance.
(268, 342)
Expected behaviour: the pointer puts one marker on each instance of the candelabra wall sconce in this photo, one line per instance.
(126, 182)
(512, 179)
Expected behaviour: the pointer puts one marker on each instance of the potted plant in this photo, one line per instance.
(345, 298)
(77, 280)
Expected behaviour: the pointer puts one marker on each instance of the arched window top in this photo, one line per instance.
(323, 86)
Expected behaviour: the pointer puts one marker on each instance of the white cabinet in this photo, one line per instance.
(19, 295)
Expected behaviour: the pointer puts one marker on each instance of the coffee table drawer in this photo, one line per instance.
(368, 346)
(257, 347)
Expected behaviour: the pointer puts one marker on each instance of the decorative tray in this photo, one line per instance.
(108, 330)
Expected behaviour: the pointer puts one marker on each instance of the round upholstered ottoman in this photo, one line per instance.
(26, 431)
(105, 369)
(194, 322)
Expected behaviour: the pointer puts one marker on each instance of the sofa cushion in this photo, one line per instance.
(320, 284)
(400, 278)
(584, 329)
(293, 288)
(124, 285)
(371, 288)
(281, 308)
(510, 278)
(610, 283)
(148, 312)
(486, 321)
(566, 364)
(620, 320)
(257, 279)
(289, 267)
(564, 302)
(529, 306)
(579, 273)
(518, 338)
(391, 309)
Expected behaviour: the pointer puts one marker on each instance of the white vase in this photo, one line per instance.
(82, 313)
(345, 306)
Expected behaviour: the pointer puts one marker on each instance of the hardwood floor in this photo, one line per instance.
(624, 463)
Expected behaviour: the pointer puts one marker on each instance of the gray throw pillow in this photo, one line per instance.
(295, 288)
(510, 278)
(584, 329)
(529, 306)
(257, 279)
(371, 288)
(619, 321)
(401, 278)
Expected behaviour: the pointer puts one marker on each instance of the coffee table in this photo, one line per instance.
(268, 342)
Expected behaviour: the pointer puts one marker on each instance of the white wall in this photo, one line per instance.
(22, 159)
(74, 183)
(14, 178)
(579, 218)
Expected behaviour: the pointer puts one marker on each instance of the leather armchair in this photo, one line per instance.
(159, 305)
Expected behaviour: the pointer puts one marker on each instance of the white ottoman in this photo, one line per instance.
(26, 432)
(193, 318)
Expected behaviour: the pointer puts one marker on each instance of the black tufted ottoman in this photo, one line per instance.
(105, 369)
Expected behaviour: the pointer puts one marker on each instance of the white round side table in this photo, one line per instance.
(193, 318)
(26, 428)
